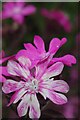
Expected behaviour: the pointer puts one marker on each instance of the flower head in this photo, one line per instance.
(17, 11)
(35, 68)
(30, 85)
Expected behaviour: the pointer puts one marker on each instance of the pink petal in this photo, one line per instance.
(23, 106)
(15, 69)
(67, 60)
(53, 70)
(2, 79)
(54, 45)
(3, 71)
(41, 67)
(8, 6)
(11, 86)
(24, 61)
(6, 14)
(30, 48)
(32, 52)
(30, 55)
(30, 9)
(63, 41)
(60, 85)
(21, 53)
(17, 96)
(56, 98)
(18, 18)
(34, 111)
(7, 10)
(39, 43)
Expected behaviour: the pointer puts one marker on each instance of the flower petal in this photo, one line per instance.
(11, 86)
(7, 10)
(2, 79)
(39, 43)
(54, 45)
(63, 41)
(24, 61)
(60, 85)
(23, 106)
(31, 51)
(15, 69)
(30, 9)
(41, 67)
(21, 53)
(31, 55)
(53, 70)
(3, 71)
(34, 111)
(8, 5)
(67, 60)
(18, 18)
(55, 97)
(17, 96)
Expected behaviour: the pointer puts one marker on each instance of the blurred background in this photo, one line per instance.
(51, 19)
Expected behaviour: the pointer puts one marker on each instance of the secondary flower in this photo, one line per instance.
(38, 53)
(17, 11)
(40, 80)
(59, 16)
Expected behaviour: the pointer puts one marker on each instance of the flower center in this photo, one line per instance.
(16, 10)
(32, 86)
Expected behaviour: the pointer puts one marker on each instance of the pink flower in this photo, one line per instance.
(59, 16)
(38, 53)
(17, 11)
(40, 81)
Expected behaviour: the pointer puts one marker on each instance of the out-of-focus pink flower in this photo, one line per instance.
(17, 11)
(71, 108)
(3, 69)
(29, 85)
(38, 53)
(59, 16)
(74, 76)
